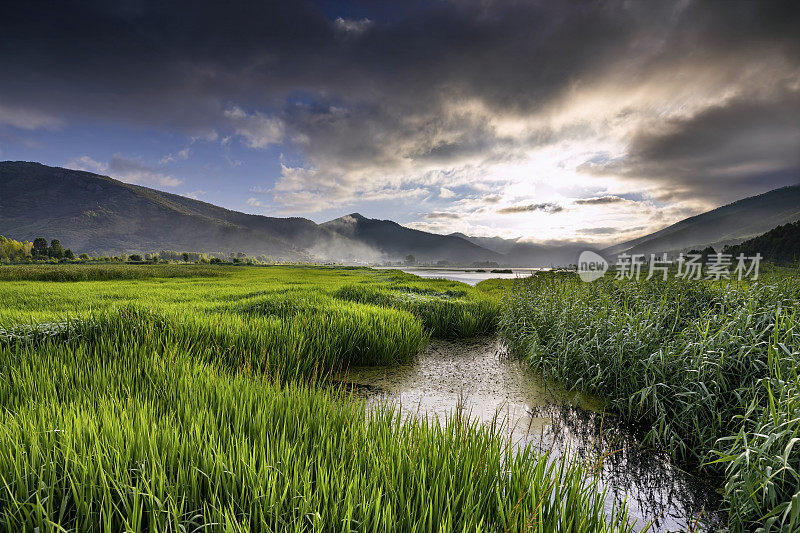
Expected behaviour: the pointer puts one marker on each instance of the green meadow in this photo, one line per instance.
(199, 398)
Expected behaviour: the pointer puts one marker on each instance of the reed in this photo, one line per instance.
(708, 369)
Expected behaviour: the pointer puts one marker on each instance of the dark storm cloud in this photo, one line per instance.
(545, 207)
(370, 88)
(137, 56)
(722, 151)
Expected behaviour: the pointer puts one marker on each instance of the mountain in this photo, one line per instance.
(393, 240)
(97, 214)
(94, 213)
(495, 244)
(726, 225)
(779, 245)
(545, 255)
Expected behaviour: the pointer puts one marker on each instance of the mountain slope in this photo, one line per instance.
(779, 245)
(396, 241)
(97, 214)
(94, 213)
(729, 224)
(495, 244)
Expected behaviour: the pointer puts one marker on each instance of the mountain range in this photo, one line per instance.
(99, 215)
(724, 226)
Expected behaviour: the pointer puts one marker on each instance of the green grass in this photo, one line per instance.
(447, 313)
(708, 369)
(199, 403)
(94, 272)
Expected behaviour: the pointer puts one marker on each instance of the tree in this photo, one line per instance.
(84, 257)
(39, 247)
(411, 260)
(708, 251)
(185, 256)
(68, 254)
(56, 250)
(134, 257)
(11, 250)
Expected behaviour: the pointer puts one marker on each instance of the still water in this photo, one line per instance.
(478, 377)
(469, 276)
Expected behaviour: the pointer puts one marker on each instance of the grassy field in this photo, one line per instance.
(708, 369)
(167, 398)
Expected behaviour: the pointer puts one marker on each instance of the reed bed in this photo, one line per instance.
(708, 369)
(95, 272)
(201, 404)
(446, 313)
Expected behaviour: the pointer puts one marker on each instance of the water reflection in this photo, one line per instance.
(478, 377)
(468, 276)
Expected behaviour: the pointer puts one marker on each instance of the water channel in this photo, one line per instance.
(479, 378)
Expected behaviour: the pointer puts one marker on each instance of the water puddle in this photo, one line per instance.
(477, 377)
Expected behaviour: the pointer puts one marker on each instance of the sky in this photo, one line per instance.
(543, 120)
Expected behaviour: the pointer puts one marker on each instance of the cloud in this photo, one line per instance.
(718, 152)
(545, 207)
(86, 163)
(255, 202)
(352, 25)
(435, 215)
(599, 200)
(181, 155)
(444, 192)
(195, 195)
(27, 119)
(258, 130)
(125, 169)
(690, 100)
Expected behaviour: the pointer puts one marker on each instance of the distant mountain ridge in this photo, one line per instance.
(392, 238)
(93, 213)
(97, 214)
(495, 244)
(726, 225)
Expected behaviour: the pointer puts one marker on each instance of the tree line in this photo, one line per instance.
(11, 250)
(778, 245)
(54, 251)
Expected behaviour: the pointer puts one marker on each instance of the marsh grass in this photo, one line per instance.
(151, 419)
(446, 313)
(95, 272)
(708, 370)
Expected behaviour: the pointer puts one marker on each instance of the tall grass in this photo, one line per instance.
(172, 400)
(129, 424)
(446, 313)
(94, 272)
(708, 369)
